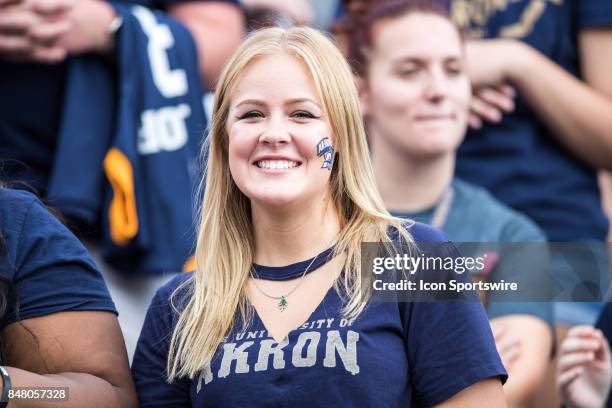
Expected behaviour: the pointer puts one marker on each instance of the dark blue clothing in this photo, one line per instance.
(47, 268)
(31, 105)
(393, 354)
(520, 160)
(159, 125)
(137, 124)
(605, 325)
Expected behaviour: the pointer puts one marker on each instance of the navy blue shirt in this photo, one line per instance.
(393, 354)
(47, 268)
(31, 104)
(520, 160)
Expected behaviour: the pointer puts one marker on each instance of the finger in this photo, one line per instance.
(48, 33)
(579, 331)
(14, 44)
(506, 89)
(566, 378)
(16, 23)
(497, 99)
(50, 8)
(572, 360)
(474, 121)
(577, 344)
(603, 354)
(48, 55)
(485, 110)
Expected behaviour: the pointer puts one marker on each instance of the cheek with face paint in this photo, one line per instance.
(325, 149)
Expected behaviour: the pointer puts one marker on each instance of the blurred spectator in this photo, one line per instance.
(415, 95)
(58, 322)
(42, 43)
(266, 13)
(540, 155)
(36, 37)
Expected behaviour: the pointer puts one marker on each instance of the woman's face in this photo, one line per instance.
(417, 94)
(279, 139)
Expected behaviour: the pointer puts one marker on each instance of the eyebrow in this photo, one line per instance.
(293, 101)
(420, 60)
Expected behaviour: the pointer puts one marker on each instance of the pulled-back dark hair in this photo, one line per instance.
(355, 29)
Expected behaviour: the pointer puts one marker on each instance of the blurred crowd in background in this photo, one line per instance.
(104, 109)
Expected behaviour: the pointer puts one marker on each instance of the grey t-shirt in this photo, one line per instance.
(475, 216)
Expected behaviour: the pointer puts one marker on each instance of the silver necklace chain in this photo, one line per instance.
(438, 219)
(263, 292)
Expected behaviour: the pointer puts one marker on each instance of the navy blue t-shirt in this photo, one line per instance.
(47, 268)
(520, 160)
(393, 354)
(31, 104)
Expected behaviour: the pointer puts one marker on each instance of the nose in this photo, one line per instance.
(436, 87)
(275, 131)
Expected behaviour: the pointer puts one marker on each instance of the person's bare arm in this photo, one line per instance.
(83, 351)
(578, 112)
(527, 369)
(484, 393)
(217, 29)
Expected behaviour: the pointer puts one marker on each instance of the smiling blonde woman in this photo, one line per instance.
(276, 313)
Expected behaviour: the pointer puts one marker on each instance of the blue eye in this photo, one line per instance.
(251, 115)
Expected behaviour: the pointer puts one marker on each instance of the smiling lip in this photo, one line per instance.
(276, 163)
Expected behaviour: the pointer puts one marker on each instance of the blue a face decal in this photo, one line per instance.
(325, 149)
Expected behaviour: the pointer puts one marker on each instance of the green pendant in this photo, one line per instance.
(282, 305)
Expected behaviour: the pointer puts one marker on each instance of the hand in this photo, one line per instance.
(508, 345)
(584, 371)
(493, 62)
(47, 31)
(89, 21)
(29, 29)
(489, 103)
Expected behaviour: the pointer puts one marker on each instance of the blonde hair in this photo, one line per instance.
(225, 243)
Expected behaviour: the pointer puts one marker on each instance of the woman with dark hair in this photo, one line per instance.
(415, 93)
(59, 326)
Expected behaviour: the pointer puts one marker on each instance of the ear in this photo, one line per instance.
(364, 95)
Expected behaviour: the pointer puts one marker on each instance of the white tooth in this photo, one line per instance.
(285, 164)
